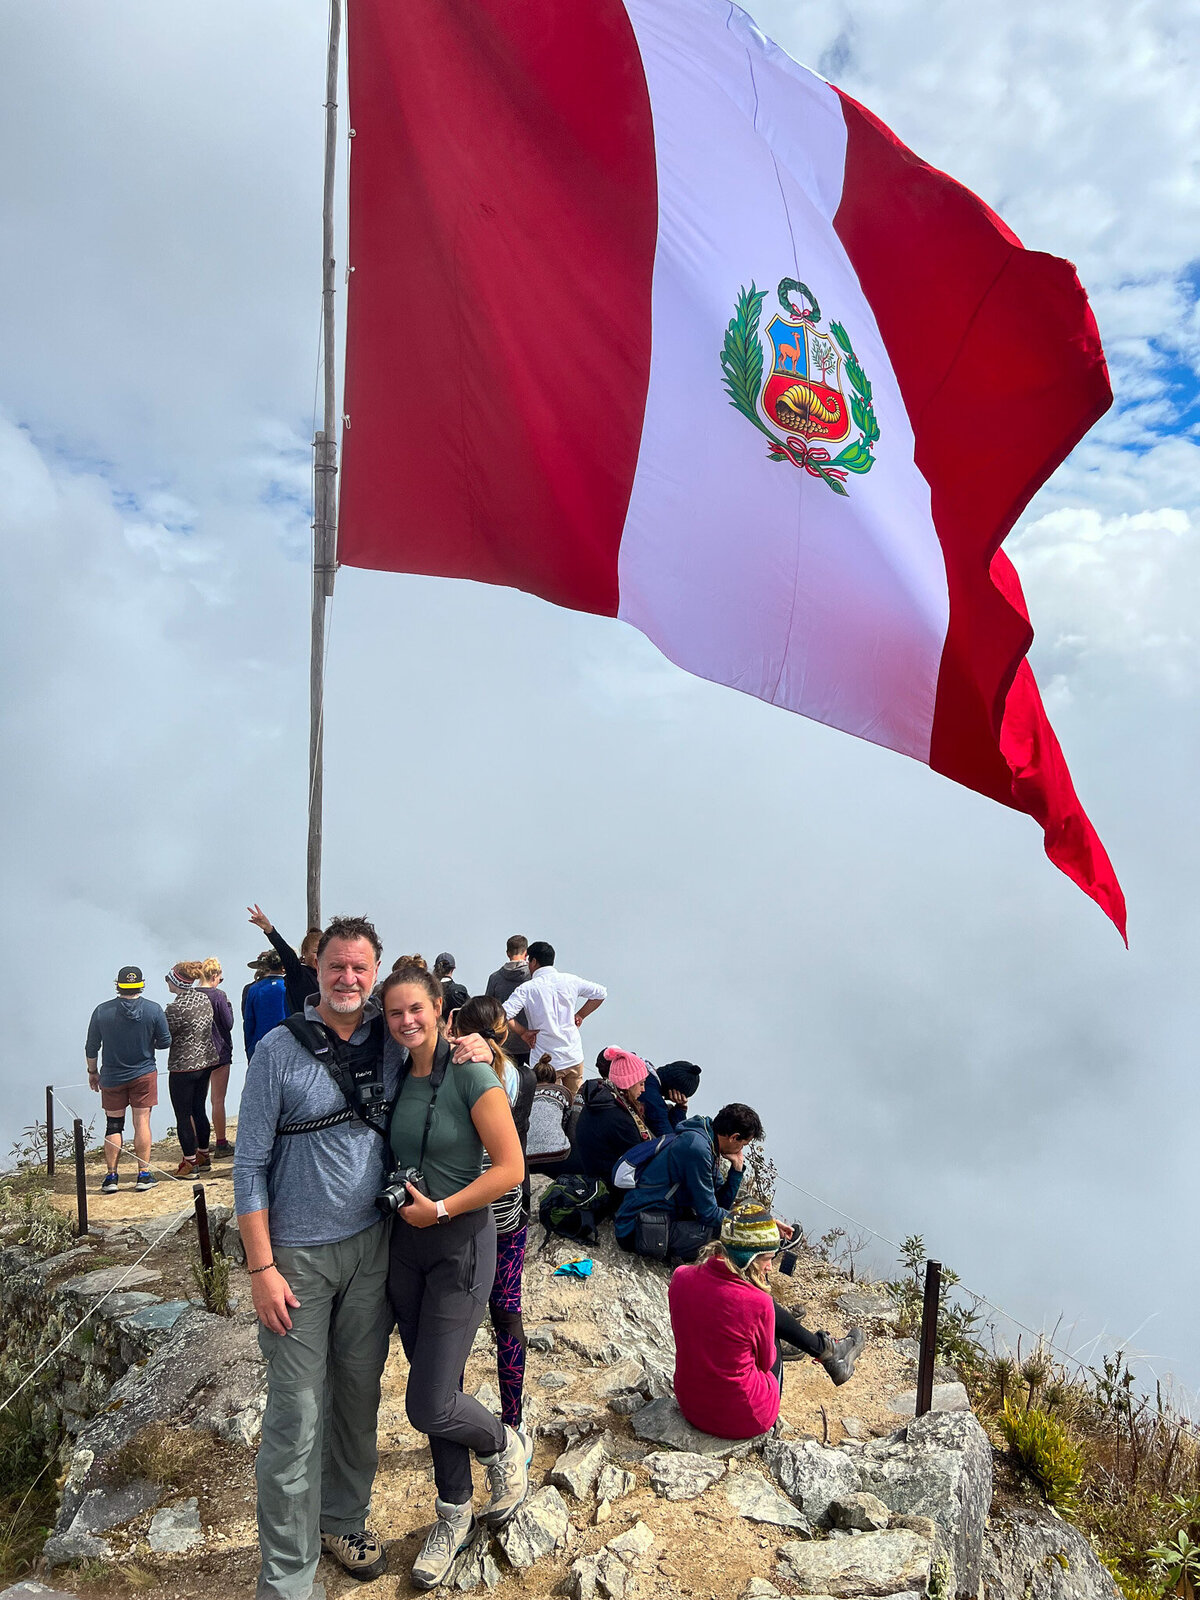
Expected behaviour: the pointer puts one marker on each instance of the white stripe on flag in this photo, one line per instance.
(746, 571)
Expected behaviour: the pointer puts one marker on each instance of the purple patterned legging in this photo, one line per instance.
(505, 1309)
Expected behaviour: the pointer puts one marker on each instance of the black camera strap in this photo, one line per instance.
(441, 1060)
(333, 1054)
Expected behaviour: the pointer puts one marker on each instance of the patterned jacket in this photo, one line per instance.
(190, 1019)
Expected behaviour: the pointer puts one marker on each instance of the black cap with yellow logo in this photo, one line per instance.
(130, 978)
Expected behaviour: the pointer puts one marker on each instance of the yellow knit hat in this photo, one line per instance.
(750, 1228)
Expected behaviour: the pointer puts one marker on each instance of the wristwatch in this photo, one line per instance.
(442, 1214)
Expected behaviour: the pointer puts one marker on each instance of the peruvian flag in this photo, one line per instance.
(650, 321)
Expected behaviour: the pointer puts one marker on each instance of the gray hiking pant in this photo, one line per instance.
(317, 1458)
(439, 1283)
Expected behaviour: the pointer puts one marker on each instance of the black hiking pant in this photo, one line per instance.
(189, 1091)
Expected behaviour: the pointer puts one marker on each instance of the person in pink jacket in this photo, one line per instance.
(727, 1327)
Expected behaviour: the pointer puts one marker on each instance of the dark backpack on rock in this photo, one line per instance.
(574, 1206)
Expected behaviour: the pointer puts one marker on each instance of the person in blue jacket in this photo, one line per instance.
(684, 1181)
(265, 1003)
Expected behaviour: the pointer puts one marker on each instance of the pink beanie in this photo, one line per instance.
(626, 1069)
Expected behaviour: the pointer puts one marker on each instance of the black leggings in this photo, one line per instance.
(189, 1091)
(439, 1280)
(793, 1332)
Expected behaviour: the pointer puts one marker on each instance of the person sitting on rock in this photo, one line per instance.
(547, 1143)
(616, 1114)
(681, 1191)
(729, 1331)
(660, 1107)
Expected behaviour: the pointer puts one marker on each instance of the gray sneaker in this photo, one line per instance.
(507, 1478)
(451, 1531)
(841, 1354)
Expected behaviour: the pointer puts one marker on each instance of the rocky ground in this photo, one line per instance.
(627, 1503)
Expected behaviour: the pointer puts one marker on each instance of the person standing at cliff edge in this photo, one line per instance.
(551, 1002)
(501, 984)
(122, 1036)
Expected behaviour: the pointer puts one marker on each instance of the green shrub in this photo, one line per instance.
(44, 1229)
(1044, 1451)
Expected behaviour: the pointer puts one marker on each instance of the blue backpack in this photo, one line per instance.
(628, 1170)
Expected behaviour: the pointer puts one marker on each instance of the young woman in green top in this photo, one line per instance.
(443, 1259)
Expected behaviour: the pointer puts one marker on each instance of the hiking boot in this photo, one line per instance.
(145, 1180)
(451, 1531)
(359, 1554)
(223, 1147)
(841, 1354)
(203, 1161)
(507, 1478)
(185, 1169)
(109, 1183)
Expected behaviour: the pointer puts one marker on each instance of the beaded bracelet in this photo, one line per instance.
(265, 1268)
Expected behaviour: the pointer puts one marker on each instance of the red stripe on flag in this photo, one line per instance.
(503, 219)
(1000, 365)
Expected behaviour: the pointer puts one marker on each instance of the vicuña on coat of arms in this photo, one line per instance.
(802, 396)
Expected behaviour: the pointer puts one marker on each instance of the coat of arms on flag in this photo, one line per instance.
(803, 392)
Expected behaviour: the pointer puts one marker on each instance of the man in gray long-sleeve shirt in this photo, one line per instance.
(316, 1248)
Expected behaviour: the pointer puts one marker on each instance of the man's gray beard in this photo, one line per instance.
(347, 1002)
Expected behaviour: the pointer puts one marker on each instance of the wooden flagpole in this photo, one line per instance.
(325, 488)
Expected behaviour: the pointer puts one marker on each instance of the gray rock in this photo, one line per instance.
(155, 1229)
(488, 1398)
(537, 1528)
(939, 1466)
(554, 1380)
(28, 1589)
(752, 1497)
(614, 1483)
(812, 1475)
(106, 1278)
(102, 1509)
(160, 1316)
(626, 1377)
(662, 1422)
(63, 1547)
(572, 1419)
(864, 1305)
(176, 1528)
(633, 1544)
(855, 1428)
(577, 1469)
(759, 1589)
(946, 1397)
(474, 1565)
(682, 1475)
(626, 1404)
(603, 1574)
(205, 1372)
(540, 1339)
(860, 1513)
(1033, 1555)
(48, 1267)
(873, 1564)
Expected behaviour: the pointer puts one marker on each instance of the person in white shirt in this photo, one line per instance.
(551, 1002)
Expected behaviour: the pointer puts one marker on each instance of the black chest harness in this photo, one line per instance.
(356, 1069)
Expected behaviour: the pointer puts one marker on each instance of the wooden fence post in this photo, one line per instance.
(81, 1216)
(929, 1320)
(49, 1130)
(206, 1251)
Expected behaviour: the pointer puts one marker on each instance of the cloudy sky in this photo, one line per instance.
(946, 1036)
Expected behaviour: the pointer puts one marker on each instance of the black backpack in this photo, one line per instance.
(574, 1206)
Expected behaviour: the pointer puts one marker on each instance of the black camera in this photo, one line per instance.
(787, 1263)
(394, 1196)
(369, 1088)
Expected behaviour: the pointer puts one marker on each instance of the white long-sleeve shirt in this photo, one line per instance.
(550, 1000)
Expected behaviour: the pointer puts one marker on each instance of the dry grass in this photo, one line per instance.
(162, 1454)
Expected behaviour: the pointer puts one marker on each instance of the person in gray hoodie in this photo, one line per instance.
(128, 1030)
(501, 984)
